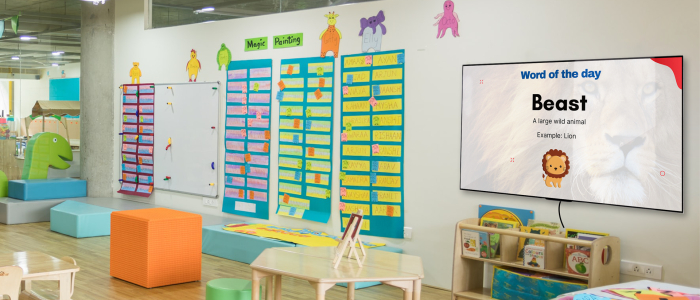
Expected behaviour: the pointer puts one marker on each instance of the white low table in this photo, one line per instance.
(315, 264)
(40, 266)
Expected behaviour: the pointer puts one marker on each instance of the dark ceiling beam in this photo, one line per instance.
(45, 15)
(42, 42)
(14, 36)
(24, 19)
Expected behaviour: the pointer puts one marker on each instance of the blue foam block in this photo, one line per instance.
(236, 246)
(41, 189)
(80, 220)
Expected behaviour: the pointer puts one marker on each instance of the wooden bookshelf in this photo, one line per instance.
(468, 272)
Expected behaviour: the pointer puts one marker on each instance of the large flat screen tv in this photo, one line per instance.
(606, 131)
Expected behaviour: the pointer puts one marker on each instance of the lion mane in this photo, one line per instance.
(555, 152)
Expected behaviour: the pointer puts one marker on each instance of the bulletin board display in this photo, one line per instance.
(372, 141)
(306, 138)
(137, 137)
(247, 138)
(187, 145)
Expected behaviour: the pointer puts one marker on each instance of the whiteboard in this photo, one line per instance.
(188, 122)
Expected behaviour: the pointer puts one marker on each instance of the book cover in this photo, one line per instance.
(577, 261)
(517, 215)
(533, 256)
(522, 242)
(553, 227)
(574, 234)
(470, 243)
(484, 245)
(495, 238)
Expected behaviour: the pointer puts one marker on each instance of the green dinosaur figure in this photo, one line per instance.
(44, 150)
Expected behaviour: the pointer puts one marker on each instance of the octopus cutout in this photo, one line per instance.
(371, 37)
(447, 19)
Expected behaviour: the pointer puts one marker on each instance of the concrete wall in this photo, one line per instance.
(96, 98)
(491, 32)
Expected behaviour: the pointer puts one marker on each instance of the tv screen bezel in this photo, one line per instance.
(461, 133)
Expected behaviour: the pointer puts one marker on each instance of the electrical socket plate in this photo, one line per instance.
(640, 269)
(407, 232)
(210, 202)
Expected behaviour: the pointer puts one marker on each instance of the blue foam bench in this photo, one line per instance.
(42, 189)
(236, 246)
(80, 220)
(245, 248)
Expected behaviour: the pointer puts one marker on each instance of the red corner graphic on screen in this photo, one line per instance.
(676, 65)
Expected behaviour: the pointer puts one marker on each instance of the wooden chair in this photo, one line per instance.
(45, 294)
(10, 280)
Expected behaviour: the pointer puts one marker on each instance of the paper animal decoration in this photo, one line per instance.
(447, 19)
(330, 37)
(135, 73)
(371, 37)
(223, 58)
(193, 66)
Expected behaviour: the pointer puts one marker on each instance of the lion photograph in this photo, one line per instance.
(627, 152)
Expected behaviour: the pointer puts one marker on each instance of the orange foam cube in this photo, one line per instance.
(156, 246)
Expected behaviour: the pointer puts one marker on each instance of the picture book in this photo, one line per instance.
(522, 242)
(533, 256)
(470, 243)
(577, 261)
(495, 238)
(584, 235)
(553, 227)
(484, 245)
(517, 215)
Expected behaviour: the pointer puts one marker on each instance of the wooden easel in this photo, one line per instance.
(353, 227)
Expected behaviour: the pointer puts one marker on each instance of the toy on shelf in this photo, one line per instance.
(353, 238)
(330, 37)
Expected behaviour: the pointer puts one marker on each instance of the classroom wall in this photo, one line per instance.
(491, 32)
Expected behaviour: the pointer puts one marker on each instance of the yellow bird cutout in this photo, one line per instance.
(193, 66)
(135, 73)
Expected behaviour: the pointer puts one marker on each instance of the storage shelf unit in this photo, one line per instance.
(468, 272)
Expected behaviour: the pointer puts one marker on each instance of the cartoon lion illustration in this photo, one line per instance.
(556, 165)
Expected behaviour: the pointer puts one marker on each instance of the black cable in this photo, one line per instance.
(562, 222)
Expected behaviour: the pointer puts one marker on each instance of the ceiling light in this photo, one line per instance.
(54, 65)
(15, 58)
(96, 2)
(206, 9)
(27, 38)
(57, 52)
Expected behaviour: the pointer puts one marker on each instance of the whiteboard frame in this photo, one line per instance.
(218, 144)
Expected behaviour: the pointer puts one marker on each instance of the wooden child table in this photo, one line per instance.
(315, 264)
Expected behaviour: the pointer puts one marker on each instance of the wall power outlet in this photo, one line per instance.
(210, 202)
(640, 269)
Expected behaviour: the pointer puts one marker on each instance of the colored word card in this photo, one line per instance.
(137, 139)
(372, 141)
(306, 138)
(247, 138)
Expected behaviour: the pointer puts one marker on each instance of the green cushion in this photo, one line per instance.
(230, 289)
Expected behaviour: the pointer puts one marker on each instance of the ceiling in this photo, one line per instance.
(55, 23)
(179, 12)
